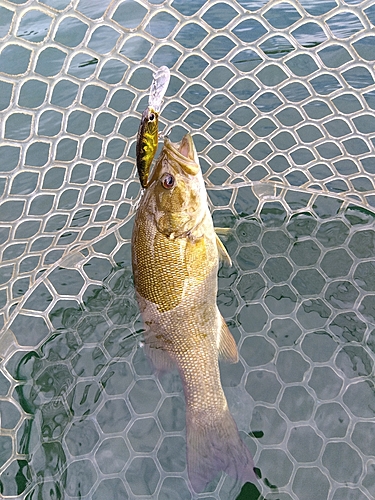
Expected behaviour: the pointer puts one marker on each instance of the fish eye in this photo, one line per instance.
(151, 117)
(168, 181)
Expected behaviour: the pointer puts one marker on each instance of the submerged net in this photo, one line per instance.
(279, 97)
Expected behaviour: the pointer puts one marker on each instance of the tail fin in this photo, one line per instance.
(214, 447)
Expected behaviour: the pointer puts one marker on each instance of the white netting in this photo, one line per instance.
(279, 96)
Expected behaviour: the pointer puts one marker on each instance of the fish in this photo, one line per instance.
(148, 132)
(147, 143)
(175, 259)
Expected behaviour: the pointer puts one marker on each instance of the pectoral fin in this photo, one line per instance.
(224, 231)
(227, 345)
(160, 359)
(154, 350)
(223, 254)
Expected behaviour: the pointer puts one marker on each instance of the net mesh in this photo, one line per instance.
(279, 97)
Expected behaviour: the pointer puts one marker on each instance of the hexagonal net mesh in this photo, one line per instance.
(279, 96)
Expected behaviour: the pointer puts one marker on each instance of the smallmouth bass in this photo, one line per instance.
(175, 258)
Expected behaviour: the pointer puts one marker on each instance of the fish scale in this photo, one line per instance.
(175, 257)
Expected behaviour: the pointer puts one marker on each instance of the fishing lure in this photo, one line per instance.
(148, 132)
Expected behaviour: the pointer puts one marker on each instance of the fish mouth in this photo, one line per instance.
(185, 153)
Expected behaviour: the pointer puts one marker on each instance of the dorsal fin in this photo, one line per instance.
(227, 345)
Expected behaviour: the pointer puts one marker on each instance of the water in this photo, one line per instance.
(88, 390)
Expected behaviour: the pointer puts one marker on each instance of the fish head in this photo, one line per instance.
(148, 129)
(150, 119)
(178, 190)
